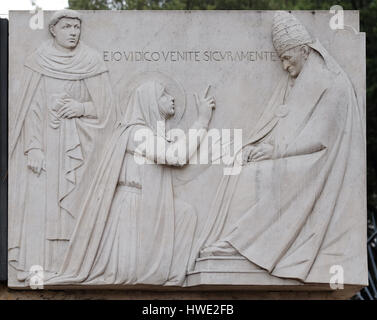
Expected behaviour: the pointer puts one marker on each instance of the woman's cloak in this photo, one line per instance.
(156, 214)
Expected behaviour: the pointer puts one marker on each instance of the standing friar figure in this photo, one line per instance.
(64, 113)
(307, 154)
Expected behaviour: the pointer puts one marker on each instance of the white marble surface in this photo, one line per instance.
(185, 52)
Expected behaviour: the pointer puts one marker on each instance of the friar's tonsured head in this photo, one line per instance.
(291, 40)
(65, 27)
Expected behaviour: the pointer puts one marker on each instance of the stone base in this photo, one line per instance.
(213, 278)
(236, 271)
(232, 271)
(194, 293)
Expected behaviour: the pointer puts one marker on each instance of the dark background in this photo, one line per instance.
(3, 147)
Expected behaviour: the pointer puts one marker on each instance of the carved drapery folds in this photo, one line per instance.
(104, 189)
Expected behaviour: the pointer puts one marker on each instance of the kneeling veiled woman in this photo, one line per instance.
(131, 230)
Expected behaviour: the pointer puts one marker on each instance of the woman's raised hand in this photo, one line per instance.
(205, 106)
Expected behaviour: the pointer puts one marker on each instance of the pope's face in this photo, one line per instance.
(67, 32)
(166, 105)
(294, 59)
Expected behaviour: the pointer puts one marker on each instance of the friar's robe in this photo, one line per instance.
(305, 220)
(44, 208)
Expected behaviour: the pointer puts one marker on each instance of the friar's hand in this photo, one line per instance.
(36, 161)
(205, 106)
(58, 103)
(261, 151)
(71, 109)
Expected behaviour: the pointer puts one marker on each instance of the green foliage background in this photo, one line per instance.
(368, 19)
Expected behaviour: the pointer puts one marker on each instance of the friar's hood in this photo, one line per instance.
(80, 63)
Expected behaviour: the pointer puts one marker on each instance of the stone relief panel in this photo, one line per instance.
(184, 153)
